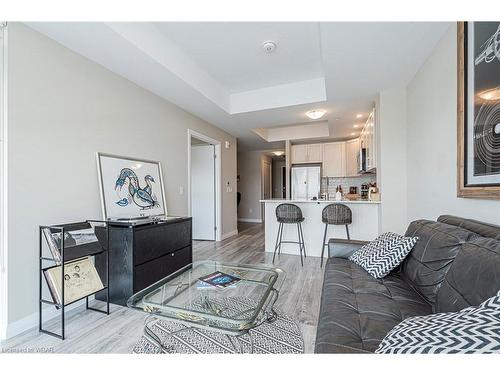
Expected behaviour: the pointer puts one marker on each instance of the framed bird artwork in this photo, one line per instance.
(130, 187)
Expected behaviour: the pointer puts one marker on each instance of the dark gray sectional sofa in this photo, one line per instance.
(455, 264)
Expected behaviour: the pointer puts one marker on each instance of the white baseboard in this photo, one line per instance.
(31, 321)
(245, 220)
(229, 234)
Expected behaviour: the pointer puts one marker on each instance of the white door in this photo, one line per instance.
(313, 182)
(299, 183)
(203, 192)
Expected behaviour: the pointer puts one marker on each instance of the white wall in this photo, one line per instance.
(250, 184)
(431, 141)
(62, 109)
(391, 162)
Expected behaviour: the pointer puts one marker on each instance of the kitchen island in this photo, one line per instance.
(365, 224)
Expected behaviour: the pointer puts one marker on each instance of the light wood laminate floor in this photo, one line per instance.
(92, 332)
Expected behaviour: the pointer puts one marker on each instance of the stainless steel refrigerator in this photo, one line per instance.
(306, 181)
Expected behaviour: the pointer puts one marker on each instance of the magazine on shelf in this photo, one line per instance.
(80, 279)
(71, 238)
(219, 279)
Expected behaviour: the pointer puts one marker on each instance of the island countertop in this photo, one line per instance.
(364, 226)
(281, 200)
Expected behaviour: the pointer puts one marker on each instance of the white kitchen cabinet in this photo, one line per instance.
(314, 153)
(299, 154)
(352, 155)
(368, 141)
(311, 153)
(334, 159)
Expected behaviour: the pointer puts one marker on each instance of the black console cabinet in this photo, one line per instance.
(140, 255)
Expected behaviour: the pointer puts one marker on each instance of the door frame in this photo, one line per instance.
(218, 177)
(262, 186)
(3, 183)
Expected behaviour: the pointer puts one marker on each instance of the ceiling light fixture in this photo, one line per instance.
(353, 133)
(355, 126)
(359, 115)
(279, 153)
(491, 94)
(315, 114)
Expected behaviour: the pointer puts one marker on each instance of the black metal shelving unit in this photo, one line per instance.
(67, 255)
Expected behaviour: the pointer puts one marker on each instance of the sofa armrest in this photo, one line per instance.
(341, 248)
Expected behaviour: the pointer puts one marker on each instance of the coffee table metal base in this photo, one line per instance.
(235, 340)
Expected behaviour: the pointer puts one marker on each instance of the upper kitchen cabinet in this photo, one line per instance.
(368, 141)
(311, 153)
(334, 159)
(352, 157)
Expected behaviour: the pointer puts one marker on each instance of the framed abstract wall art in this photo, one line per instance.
(478, 111)
(130, 187)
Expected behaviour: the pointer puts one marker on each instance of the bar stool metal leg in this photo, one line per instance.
(300, 244)
(324, 244)
(278, 240)
(303, 241)
(281, 238)
(347, 231)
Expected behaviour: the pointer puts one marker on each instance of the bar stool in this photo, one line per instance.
(287, 213)
(335, 214)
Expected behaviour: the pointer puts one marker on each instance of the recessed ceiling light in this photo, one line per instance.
(278, 153)
(353, 133)
(315, 114)
(355, 126)
(359, 115)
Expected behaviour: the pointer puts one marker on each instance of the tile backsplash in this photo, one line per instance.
(329, 184)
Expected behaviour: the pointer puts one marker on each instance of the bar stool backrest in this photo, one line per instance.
(289, 213)
(336, 214)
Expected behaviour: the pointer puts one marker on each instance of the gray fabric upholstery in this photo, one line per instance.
(336, 214)
(455, 264)
(426, 266)
(358, 310)
(473, 277)
(341, 248)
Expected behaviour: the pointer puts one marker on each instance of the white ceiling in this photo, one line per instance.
(219, 72)
(231, 52)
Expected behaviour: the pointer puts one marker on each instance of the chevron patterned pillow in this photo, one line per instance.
(471, 330)
(384, 254)
(362, 253)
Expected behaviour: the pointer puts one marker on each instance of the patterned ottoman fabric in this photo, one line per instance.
(282, 336)
(471, 330)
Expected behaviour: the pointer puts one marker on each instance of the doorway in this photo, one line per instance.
(204, 186)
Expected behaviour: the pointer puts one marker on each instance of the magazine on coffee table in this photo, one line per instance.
(219, 279)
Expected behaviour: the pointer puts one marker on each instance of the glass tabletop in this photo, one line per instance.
(233, 308)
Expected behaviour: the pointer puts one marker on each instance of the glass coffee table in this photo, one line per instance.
(232, 310)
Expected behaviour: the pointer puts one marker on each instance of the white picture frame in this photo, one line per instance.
(130, 187)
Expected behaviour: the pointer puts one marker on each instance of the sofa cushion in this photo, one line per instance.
(358, 310)
(478, 227)
(427, 264)
(473, 277)
(471, 330)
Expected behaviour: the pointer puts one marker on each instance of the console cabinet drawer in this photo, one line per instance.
(150, 272)
(159, 240)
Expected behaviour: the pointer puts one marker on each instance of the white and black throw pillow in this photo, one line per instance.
(383, 254)
(471, 330)
(362, 253)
